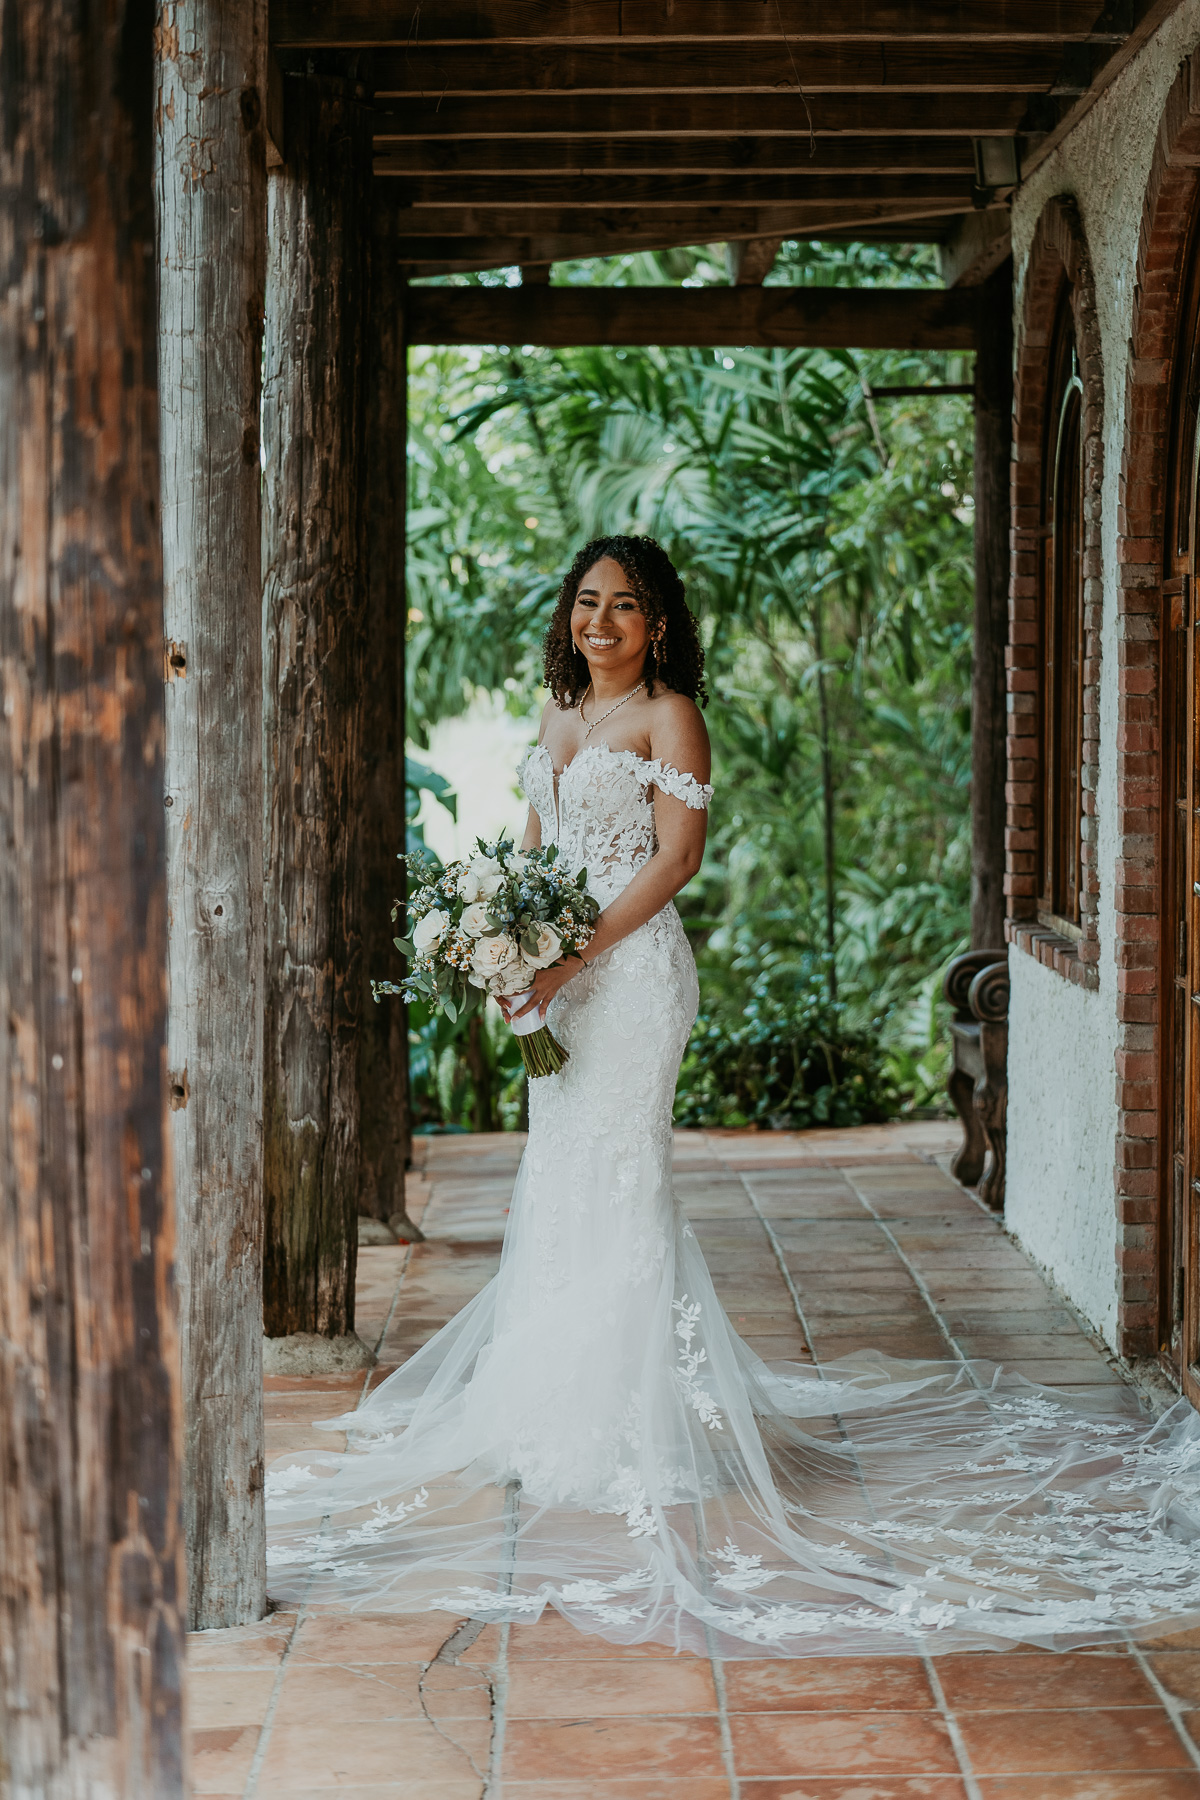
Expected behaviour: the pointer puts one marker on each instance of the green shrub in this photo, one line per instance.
(783, 1066)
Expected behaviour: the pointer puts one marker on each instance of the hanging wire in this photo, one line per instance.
(812, 134)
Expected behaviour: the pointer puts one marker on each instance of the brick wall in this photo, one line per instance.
(1171, 201)
(1058, 255)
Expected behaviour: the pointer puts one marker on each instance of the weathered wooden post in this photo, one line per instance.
(383, 1037)
(212, 200)
(91, 1545)
(314, 599)
(993, 512)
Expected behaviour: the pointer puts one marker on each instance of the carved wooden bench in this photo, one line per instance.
(976, 985)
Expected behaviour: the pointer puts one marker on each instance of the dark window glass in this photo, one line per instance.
(1061, 822)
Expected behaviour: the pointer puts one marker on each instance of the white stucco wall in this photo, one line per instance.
(1062, 1114)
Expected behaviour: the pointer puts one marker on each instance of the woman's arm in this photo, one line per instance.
(533, 832)
(682, 742)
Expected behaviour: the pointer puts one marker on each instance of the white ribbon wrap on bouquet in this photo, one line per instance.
(531, 1022)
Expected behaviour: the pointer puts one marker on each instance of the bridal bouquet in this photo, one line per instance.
(486, 926)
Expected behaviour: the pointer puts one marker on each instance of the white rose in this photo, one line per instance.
(549, 947)
(519, 861)
(429, 931)
(493, 955)
(481, 879)
(474, 920)
(514, 979)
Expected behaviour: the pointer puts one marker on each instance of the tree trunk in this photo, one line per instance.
(383, 1034)
(313, 680)
(828, 807)
(92, 1573)
(478, 1059)
(211, 262)
(993, 457)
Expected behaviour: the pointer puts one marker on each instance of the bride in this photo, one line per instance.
(590, 1433)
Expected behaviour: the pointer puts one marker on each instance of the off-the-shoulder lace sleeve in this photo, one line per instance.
(681, 786)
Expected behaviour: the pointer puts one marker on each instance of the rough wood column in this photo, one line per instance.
(314, 565)
(993, 456)
(92, 1578)
(383, 1038)
(212, 199)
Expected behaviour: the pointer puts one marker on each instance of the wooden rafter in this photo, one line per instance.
(707, 68)
(612, 232)
(722, 115)
(357, 23)
(566, 194)
(797, 154)
(449, 256)
(886, 318)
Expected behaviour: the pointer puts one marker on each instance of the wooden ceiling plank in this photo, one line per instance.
(853, 318)
(598, 116)
(655, 192)
(451, 256)
(489, 70)
(687, 156)
(692, 225)
(360, 23)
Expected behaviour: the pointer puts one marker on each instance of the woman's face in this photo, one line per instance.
(608, 626)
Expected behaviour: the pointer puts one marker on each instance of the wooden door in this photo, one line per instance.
(1179, 1335)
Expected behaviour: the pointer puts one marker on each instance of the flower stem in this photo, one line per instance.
(542, 1053)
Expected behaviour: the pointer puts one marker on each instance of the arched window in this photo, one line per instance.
(1061, 614)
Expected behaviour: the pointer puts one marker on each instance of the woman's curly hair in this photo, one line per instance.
(677, 662)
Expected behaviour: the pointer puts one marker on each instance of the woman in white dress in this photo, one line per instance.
(590, 1433)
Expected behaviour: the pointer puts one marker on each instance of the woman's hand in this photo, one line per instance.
(546, 984)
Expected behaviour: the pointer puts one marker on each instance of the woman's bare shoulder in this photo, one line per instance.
(678, 734)
(549, 711)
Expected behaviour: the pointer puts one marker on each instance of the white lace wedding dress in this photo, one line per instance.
(590, 1433)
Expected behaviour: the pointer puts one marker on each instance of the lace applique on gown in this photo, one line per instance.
(590, 1433)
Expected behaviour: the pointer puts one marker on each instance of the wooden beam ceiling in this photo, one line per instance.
(338, 24)
(566, 194)
(524, 129)
(729, 67)
(719, 115)
(867, 318)
(740, 156)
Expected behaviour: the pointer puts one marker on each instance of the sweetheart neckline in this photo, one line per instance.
(648, 762)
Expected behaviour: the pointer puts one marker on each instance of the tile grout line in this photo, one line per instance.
(1173, 1707)
(957, 1742)
(493, 1786)
(264, 1735)
(723, 1725)
(387, 1323)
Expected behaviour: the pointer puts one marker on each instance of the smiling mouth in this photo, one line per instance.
(599, 643)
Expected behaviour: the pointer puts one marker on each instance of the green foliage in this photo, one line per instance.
(826, 541)
(783, 1063)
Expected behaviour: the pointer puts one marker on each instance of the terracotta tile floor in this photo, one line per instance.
(880, 1247)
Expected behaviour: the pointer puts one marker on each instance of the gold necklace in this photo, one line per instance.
(588, 729)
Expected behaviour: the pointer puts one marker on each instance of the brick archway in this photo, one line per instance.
(1058, 257)
(1172, 196)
